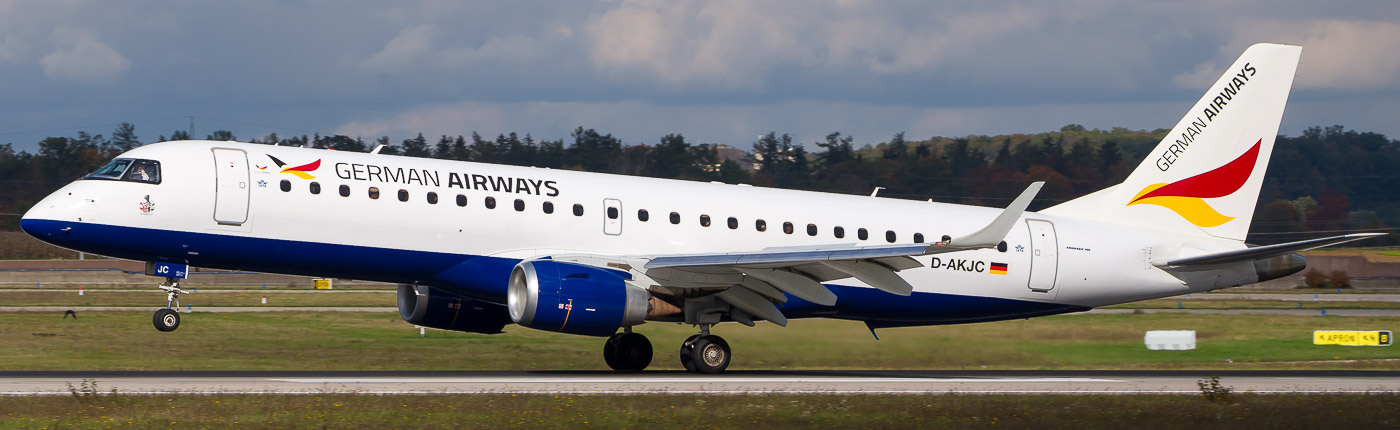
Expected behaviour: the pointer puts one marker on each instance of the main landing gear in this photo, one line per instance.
(168, 319)
(702, 353)
(705, 353)
(627, 351)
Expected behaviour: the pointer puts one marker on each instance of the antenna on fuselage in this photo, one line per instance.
(377, 148)
(876, 192)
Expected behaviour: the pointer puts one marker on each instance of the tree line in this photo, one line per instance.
(1327, 181)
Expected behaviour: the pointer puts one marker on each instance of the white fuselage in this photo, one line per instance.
(1074, 264)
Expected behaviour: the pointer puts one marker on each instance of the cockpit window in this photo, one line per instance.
(112, 170)
(143, 171)
(131, 170)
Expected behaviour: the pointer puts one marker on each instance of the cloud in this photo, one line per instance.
(738, 44)
(80, 57)
(403, 50)
(11, 50)
(1337, 54)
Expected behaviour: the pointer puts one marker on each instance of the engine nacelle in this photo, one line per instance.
(574, 298)
(431, 307)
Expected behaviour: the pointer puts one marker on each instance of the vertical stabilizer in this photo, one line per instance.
(1204, 176)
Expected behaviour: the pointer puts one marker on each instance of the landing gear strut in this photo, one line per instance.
(627, 351)
(705, 353)
(168, 319)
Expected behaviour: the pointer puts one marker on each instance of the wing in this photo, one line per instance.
(754, 282)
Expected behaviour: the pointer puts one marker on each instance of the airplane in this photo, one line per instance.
(475, 247)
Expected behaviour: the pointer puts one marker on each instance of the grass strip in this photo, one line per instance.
(92, 409)
(382, 341)
(1253, 304)
(156, 298)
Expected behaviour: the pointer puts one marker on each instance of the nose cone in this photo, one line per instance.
(42, 222)
(29, 222)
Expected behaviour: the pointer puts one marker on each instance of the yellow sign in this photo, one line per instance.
(323, 284)
(1352, 338)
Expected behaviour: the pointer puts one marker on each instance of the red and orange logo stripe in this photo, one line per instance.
(1186, 197)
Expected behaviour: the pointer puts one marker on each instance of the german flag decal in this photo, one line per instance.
(998, 269)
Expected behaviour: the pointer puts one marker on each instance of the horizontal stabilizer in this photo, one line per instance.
(1260, 252)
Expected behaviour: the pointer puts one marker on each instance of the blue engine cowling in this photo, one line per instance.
(574, 298)
(431, 307)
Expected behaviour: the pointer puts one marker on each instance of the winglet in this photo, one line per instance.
(993, 233)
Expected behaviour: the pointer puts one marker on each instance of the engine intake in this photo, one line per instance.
(574, 298)
(431, 307)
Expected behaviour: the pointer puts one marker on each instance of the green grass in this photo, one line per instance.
(1253, 304)
(85, 410)
(381, 341)
(155, 298)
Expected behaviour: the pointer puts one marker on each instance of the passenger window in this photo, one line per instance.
(432, 198)
(147, 171)
(403, 195)
(612, 213)
(889, 236)
(519, 205)
(839, 232)
(315, 188)
(704, 220)
(578, 209)
(918, 238)
(787, 228)
(374, 192)
(811, 229)
(760, 225)
(862, 234)
(286, 185)
(643, 216)
(733, 223)
(345, 191)
(490, 202)
(675, 218)
(549, 207)
(461, 200)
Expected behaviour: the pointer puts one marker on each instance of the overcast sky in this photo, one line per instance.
(716, 71)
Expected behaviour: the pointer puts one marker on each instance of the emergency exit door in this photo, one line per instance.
(612, 217)
(230, 186)
(1044, 260)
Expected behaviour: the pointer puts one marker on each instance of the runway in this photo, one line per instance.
(731, 383)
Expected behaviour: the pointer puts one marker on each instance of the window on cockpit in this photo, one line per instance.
(131, 170)
(147, 171)
(112, 170)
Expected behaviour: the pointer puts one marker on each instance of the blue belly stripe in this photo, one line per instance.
(479, 277)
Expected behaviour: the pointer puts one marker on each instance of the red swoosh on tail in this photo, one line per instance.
(1220, 182)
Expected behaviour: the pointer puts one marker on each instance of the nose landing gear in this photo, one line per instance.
(168, 319)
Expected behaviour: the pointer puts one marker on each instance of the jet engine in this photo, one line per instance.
(432, 307)
(574, 298)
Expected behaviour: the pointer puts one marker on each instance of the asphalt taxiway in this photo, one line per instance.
(674, 382)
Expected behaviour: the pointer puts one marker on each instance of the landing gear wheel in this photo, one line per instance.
(687, 360)
(709, 354)
(166, 320)
(628, 352)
